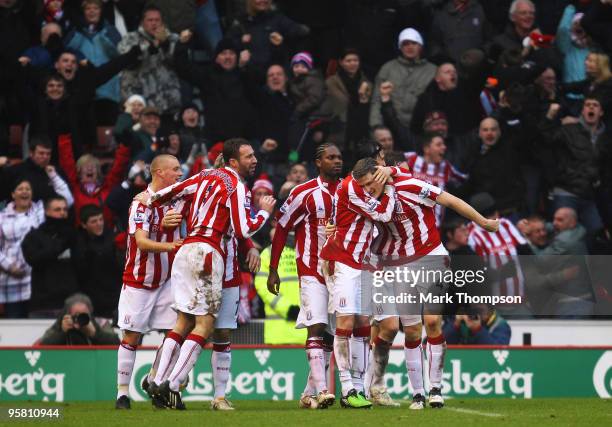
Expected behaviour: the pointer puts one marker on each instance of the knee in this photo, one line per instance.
(221, 335)
(317, 330)
(433, 324)
(413, 332)
(132, 338)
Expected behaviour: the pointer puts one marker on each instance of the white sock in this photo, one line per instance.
(316, 360)
(221, 362)
(170, 350)
(190, 350)
(379, 358)
(414, 365)
(310, 389)
(126, 356)
(342, 353)
(437, 348)
(360, 351)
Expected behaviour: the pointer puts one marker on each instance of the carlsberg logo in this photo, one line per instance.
(34, 384)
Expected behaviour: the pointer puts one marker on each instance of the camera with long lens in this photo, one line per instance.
(81, 319)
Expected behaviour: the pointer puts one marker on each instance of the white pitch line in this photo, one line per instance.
(473, 412)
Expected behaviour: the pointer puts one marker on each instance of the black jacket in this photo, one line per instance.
(228, 111)
(98, 270)
(49, 250)
(576, 157)
(56, 336)
(41, 184)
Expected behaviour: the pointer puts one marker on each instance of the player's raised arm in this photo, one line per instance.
(174, 192)
(243, 225)
(465, 210)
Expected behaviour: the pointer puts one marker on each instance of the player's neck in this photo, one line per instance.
(156, 186)
(328, 178)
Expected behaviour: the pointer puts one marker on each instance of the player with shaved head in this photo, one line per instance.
(146, 295)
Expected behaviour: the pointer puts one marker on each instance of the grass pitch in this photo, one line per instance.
(457, 412)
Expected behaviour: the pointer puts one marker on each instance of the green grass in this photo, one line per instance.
(458, 412)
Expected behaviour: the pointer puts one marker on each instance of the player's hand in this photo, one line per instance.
(330, 229)
(176, 244)
(491, 225)
(185, 36)
(253, 260)
(386, 88)
(273, 281)
(67, 323)
(267, 203)
(276, 38)
(172, 219)
(523, 226)
(142, 197)
(382, 175)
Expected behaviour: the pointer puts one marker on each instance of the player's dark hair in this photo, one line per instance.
(364, 167)
(321, 149)
(231, 148)
(394, 158)
(88, 211)
(368, 149)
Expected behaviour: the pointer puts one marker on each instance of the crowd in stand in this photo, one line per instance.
(508, 98)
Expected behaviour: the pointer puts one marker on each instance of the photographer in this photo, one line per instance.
(77, 326)
(482, 326)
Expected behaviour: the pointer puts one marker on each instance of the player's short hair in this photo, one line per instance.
(231, 148)
(364, 167)
(394, 158)
(368, 149)
(88, 211)
(321, 149)
(159, 159)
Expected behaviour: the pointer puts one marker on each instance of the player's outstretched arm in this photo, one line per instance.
(147, 245)
(462, 208)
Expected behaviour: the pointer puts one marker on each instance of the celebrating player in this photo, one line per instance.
(220, 201)
(146, 295)
(307, 210)
(346, 251)
(412, 239)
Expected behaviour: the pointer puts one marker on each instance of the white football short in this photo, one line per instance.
(144, 310)
(345, 287)
(314, 300)
(227, 318)
(197, 275)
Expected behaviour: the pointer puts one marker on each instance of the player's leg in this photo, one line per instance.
(386, 330)
(360, 352)
(413, 351)
(436, 349)
(126, 356)
(342, 349)
(171, 346)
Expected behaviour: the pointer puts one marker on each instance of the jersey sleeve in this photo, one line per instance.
(139, 217)
(180, 190)
(370, 207)
(416, 191)
(292, 212)
(243, 225)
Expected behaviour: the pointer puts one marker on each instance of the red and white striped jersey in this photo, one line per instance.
(234, 247)
(307, 210)
(220, 200)
(355, 214)
(497, 249)
(437, 174)
(143, 269)
(412, 231)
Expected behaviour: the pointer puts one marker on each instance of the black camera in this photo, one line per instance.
(81, 319)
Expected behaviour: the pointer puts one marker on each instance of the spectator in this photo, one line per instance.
(51, 45)
(274, 111)
(298, 174)
(458, 26)
(433, 168)
(96, 260)
(38, 172)
(383, 136)
(484, 327)
(596, 22)
(191, 132)
(155, 78)
(576, 144)
(522, 15)
(120, 198)
(88, 184)
(16, 220)
(134, 106)
(409, 76)
(348, 98)
(574, 44)
(494, 167)
(261, 187)
(178, 15)
(142, 136)
(458, 100)
(535, 231)
(223, 89)
(77, 325)
(97, 40)
(49, 250)
(307, 90)
(262, 30)
(53, 11)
